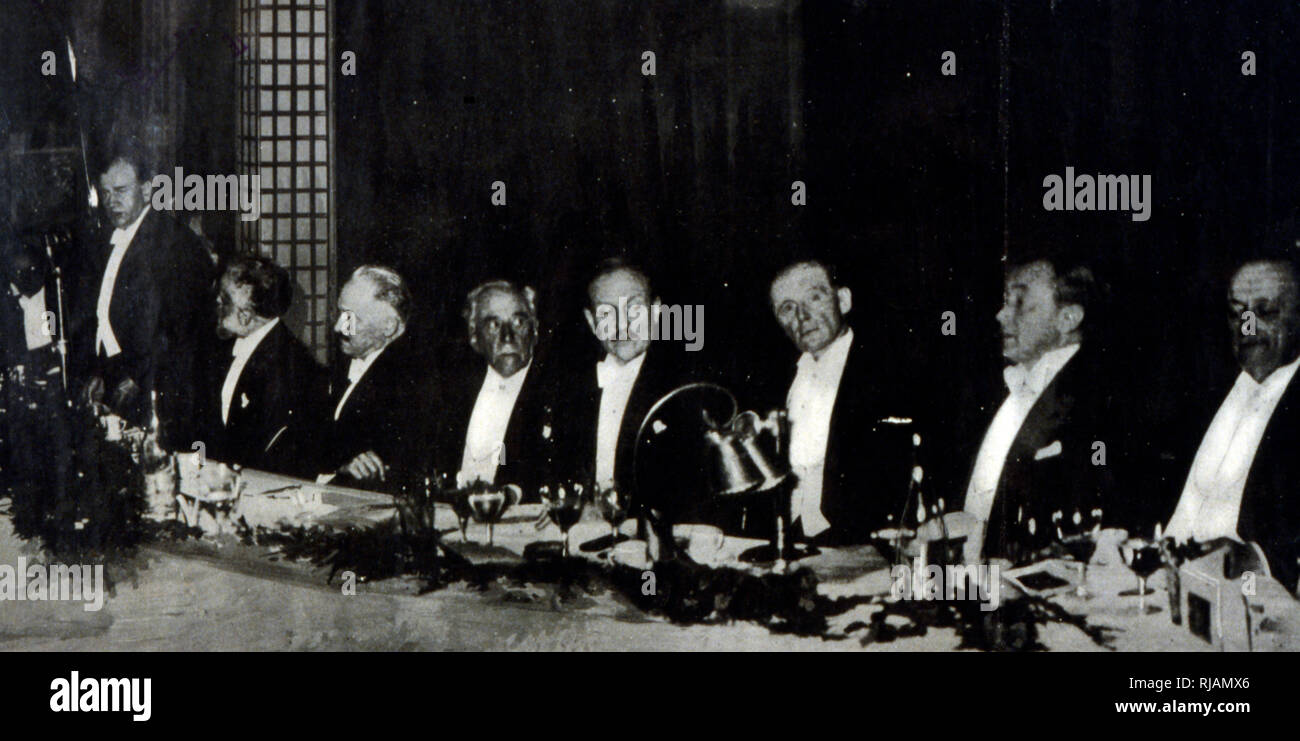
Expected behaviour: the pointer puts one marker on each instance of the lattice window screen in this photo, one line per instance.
(286, 131)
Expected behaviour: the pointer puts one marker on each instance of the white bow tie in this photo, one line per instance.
(609, 372)
(1020, 381)
(606, 372)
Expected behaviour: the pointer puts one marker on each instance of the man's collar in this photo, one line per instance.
(255, 337)
(611, 368)
(1042, 371)
(1053, 360)
(358, 367)
(134, 226)
(13, 291)
(369, 357)
(1280, 376)
(833, 354)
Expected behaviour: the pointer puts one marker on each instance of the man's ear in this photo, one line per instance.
(392, 327)
(845, 299)
(146, 192)
(1069, 318)
(591, 320)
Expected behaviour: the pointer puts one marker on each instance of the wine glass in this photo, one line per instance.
(1079, 541)
(613, 506)
(564, 504)
(1143, 558)
(489, 505)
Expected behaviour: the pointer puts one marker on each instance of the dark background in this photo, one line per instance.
(919, 185)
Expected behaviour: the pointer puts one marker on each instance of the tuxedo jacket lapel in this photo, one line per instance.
(1270, 505)
(1048, 467)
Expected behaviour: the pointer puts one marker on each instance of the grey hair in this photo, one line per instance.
(389, 288)
(470, 312)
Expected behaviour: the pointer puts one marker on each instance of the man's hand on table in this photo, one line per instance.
(367, 466)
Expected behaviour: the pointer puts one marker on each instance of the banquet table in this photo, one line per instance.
(270, 500)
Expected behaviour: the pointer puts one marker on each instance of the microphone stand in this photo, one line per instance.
(62, 344)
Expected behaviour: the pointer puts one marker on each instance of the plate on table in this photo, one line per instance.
(1043, 579)
(631, 553)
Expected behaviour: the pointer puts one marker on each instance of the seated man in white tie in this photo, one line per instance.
(497, 428)
(1243, 480)
(609, 399)
(272, 388)
(1037, 456)
(379, 419)
(851, 472)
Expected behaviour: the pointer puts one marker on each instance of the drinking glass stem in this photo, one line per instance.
(489, 533)
(1142, 595)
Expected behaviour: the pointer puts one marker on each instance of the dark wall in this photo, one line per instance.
(688, 171)
(159, 68)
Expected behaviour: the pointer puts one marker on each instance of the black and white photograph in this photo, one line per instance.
(662, 326)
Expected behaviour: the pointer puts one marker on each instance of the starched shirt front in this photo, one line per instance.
(615, 380)
(106, 342)
(811, 401)
(485, 437)
(1211, 499)
(242, 351)
(1024, 386)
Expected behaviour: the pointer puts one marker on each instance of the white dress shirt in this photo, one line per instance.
(1211, 499)
(1024, 386)
(34, 328)
(811, 401)
(243, 350)
(105, 341)
(356, 370)
(486, 435)
(615, 380)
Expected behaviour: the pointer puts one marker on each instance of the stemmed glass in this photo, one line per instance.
(614, 506)
(564, 505)
(1080, 542)
(1143, 557)
(488, 505)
